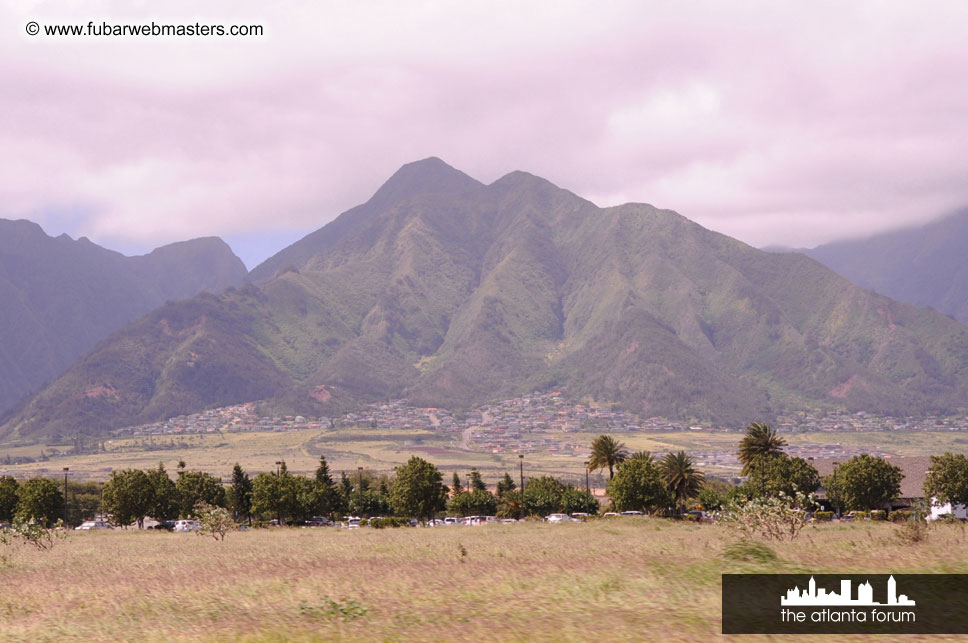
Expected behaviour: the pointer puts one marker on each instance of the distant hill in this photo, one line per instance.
(61, 296)
(451, 293)
(924, 265)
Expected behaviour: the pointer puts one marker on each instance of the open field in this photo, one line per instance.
(347, 449)
(619, 579)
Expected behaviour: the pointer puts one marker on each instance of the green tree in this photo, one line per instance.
(607, 452)
(769, 475)
(759, 440)
(456, 487)
(213, 521)
(83, 501)
(510, 505)
(266, 492)
(505, 484)
(578, 500)
(947, 479)
(681, 478)
(473, 503)
(128, 496)
(542, 496)
(418, 490)
(638, 486)
(863, 482)
(323, 495)
(240, 494)
(164, 501)
(476, 482)
(8, 498)
(710, 500)
(193, 487)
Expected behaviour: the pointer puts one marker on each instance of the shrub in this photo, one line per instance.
(860, 515)
(901, 515)
(949, 518)
(878, 514)
(392, 522)
(690, 518)
(776, 517)
(823, 516)
(749, 551)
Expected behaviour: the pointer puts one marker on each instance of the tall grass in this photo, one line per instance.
(622, 579)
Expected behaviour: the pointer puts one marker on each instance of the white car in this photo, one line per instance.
(92, 524)
(558, 518)
(187, 525)
(352, 523)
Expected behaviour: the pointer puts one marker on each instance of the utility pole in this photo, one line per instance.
(359, 470)
(66, 469)
(588, 488)
(521, 462)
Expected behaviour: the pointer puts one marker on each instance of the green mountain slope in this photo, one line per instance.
(60, 296)
(924, 266)
(452, 293)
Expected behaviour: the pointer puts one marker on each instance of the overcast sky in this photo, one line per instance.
(777, 123)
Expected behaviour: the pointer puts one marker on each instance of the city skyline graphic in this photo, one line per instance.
(812, 595)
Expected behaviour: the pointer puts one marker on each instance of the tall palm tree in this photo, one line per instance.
(681, 477)
(759, 440)
(607, 452)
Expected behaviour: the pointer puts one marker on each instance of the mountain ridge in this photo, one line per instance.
(454, 293)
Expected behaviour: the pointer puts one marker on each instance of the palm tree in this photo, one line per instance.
(681, 478)
(642, 455)
(607, 452)
(760, 440)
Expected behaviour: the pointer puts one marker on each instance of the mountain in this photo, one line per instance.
(61, 296)
(924, 265)
(451, 293)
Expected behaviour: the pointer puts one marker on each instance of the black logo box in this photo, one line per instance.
(751, 605)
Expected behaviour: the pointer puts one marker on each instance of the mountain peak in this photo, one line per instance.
(427, 176)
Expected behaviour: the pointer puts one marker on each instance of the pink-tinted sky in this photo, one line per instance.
(777, 123)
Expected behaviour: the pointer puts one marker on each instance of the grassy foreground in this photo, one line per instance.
(623, 579)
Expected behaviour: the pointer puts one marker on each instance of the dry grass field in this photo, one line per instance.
(632, 579)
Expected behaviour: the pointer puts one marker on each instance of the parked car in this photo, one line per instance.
(580, 515)
(698, 514)
(609, 514)
(508, 521)
(91, 525)
(317, 521)
(187, 525)
(450, 520)
(631, 513)
(558, 518)
(352, 523)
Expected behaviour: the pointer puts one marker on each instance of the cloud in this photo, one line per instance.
(761, 120)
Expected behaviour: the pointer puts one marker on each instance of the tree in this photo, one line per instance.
(759, 440)
(476, 482)
(607, 452)
(510, 505)
(638, 486)
(195, 486)
(473, 503)
(418, 490)
(771, 474)
(323, 494)
(863, 482)
(455, 486)
(8, 498)
(947, 480)
(265, 496)
(505, 484)
(542, 496)
(213, 521)
(578, 500)
(164, 503)
(240, 494)
(128, 497)
(681, 478)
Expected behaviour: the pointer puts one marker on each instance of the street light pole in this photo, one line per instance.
(521, 462)
(66, 469)
(278, 464)
(588, 489)
(360, 488)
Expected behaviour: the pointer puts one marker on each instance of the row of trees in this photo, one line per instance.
(637, 481)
